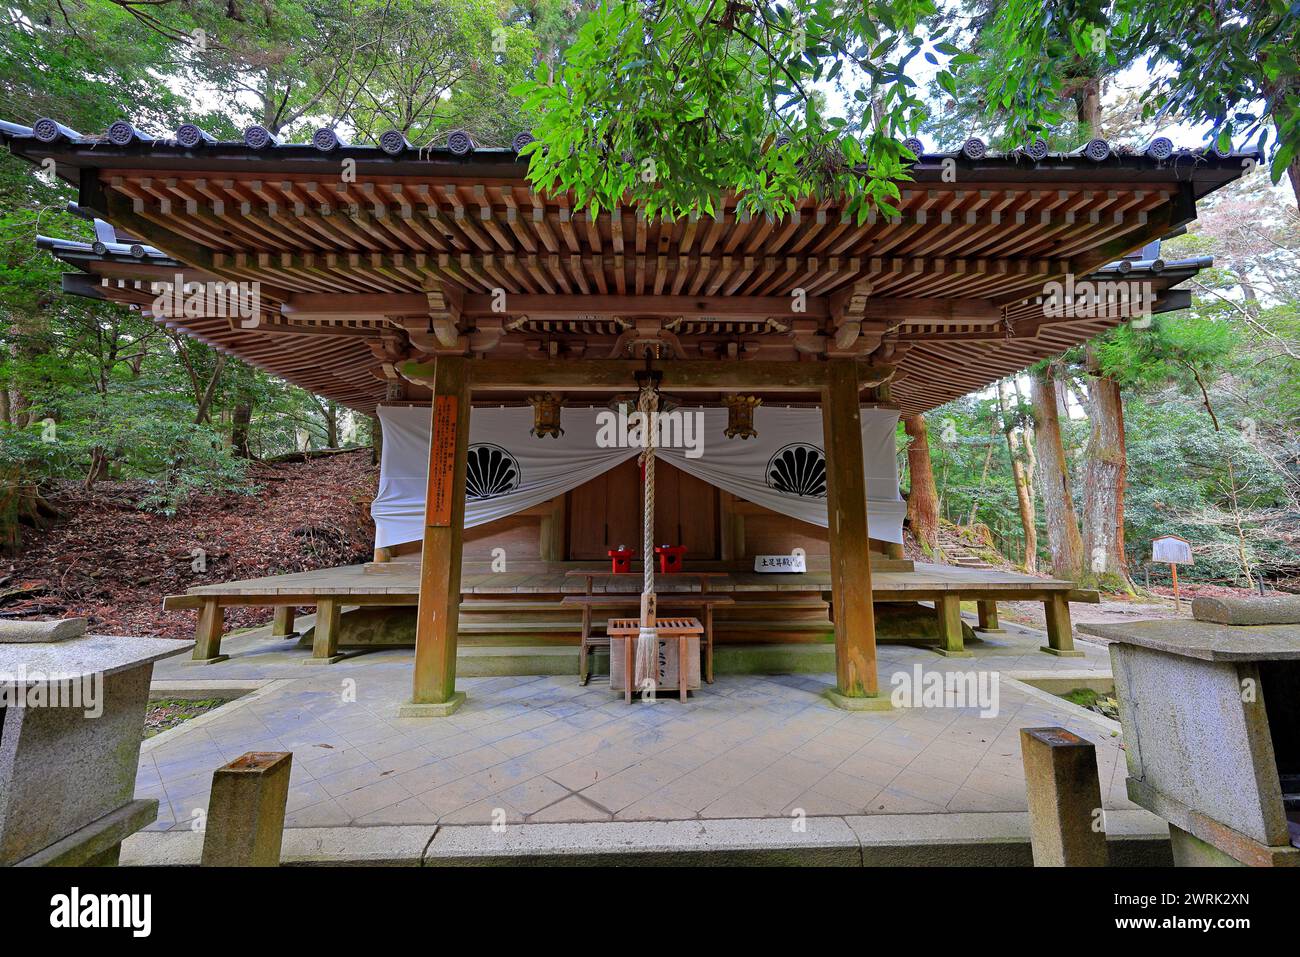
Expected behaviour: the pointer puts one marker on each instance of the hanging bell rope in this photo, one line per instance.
(647, 642)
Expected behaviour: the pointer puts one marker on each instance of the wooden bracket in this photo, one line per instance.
(487, 335)
(647, 333)
(850, 302)
(852, 335)
(445, 304)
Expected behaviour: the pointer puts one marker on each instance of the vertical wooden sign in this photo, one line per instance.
(442, 461)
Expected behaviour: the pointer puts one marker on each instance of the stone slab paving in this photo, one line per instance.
(546, 750)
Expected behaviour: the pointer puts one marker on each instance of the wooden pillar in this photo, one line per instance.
(951, 641)
(207, 636)
(1060, 636)
(846, 511)
(1064, 795)
(434, 691)
(325, 636)
(245, 823)
(551, 533)
(988, 612)
(732, 528)
(282, 624)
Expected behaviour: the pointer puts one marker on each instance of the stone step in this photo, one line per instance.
(773, 658)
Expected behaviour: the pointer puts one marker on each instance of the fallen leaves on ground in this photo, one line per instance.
(110, 562)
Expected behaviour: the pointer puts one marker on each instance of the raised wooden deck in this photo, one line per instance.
(528, 603)
(402, 579)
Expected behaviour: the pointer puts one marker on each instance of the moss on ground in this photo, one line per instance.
(164, 713)
(1103, 704)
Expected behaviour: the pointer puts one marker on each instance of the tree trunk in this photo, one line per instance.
(21, 507)
(1063, 537)
(1104, 482)
(331, 424)
(98, 467)
(1027, 518)
(1282, 115)
(203, 411)
(241, 418)
(923, 499)
(984, 475)
(1027, 441)
(376, 440)
(1087, 103)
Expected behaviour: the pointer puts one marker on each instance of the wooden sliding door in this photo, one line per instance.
(606, 512)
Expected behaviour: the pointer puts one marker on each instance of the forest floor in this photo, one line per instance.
(111, 562)
(1157, 602)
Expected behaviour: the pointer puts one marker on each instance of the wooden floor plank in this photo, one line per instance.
(345, 580)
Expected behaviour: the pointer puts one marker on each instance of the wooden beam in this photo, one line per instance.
(364, 306)
(988, 617)
(733, 526)
(931, 310)
(597, 306)
(121, 212)
(1060, 634)
(603, 375)
(551, 534)
(379, 305)
(434, 685)
(277, 328)
(846, 512)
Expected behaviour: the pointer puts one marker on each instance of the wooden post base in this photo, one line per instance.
(282, 623)
(325, 643)
(952, 641)
(847, 703)
(207, 634)
(1060, 635)
(988, 613)
(432, 709)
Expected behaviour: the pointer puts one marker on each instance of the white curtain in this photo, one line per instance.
(510, 470)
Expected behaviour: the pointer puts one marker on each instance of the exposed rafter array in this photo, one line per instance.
(451, 251)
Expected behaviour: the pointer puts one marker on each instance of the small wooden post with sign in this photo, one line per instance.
(1174, 551)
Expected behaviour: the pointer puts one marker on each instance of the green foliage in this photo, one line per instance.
(1179, 483)
(1206, 62)
(1171, 348)
(426, 66)
(1225, 481)
(673, 104)
(1222, 62)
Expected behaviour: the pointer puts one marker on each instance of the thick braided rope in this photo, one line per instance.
(649, 415)
(647, 643)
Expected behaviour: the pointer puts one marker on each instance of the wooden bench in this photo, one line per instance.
(628, 629)
(947, 606)
(609, 600)
(207, 635)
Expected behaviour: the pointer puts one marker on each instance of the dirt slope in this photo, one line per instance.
(111, 562)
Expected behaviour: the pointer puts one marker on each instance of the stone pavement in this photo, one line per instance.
(544, 749)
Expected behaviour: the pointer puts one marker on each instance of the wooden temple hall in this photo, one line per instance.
(505, 340)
